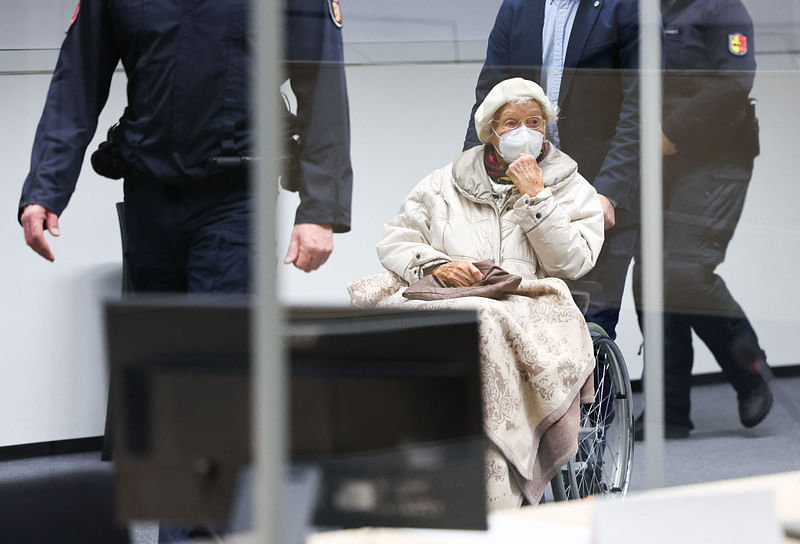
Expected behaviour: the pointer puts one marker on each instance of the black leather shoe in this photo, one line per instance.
(755, 405)
(671, 430)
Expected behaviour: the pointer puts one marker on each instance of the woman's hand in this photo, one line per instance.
(458, 274)
(526, 175)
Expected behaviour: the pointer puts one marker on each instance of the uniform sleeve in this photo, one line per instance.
(317, 77)
(565, 229)
(618, 176)
(725, 83)
(405, 248)
(78, 91)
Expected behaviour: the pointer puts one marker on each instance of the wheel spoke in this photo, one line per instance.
(604, 442)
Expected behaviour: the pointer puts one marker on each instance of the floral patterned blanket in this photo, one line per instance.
(536, 367)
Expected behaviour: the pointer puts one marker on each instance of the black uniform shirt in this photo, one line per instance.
(709, 67)
(187, 67)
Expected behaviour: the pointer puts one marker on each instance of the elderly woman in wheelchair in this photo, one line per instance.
(515, 207)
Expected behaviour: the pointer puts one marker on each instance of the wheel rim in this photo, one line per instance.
(605, 441)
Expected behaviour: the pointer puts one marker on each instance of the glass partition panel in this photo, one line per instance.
(723, 65)
(681, 120)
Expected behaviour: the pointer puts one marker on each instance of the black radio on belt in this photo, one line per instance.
(228, 163)
(106, 160)
(229, 167)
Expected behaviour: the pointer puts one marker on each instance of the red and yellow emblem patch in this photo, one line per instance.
(737, 44)
(336, 12)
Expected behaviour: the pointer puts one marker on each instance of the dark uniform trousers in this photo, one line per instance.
(702, 206)
(190, 238)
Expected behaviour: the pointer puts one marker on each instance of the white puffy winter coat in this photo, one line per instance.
(451, 215)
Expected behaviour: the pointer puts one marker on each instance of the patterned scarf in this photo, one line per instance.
(492, 163)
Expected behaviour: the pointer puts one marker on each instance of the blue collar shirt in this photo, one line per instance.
(559, 16)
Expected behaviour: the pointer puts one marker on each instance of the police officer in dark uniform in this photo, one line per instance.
(710, 138)
(183, 142)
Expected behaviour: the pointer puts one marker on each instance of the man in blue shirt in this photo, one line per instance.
(184, 138)
(585, 54)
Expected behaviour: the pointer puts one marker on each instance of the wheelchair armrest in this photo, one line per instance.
(582, 292)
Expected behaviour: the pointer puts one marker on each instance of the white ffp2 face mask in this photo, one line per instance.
(520, 140)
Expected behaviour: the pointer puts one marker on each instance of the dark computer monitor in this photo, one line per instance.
(385, 405)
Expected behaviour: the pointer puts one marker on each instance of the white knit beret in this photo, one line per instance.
(504, 92)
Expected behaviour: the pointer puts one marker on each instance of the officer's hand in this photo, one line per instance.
(458, 274)
(609, 215)
(526, 174)
(35, 219)
(667, 147)
(310, 246)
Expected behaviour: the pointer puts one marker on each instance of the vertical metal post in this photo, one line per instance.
(268, 367)
(652, 238)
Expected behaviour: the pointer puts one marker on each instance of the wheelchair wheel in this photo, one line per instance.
(602, 465)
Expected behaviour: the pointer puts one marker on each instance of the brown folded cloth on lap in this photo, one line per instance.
(495, 283)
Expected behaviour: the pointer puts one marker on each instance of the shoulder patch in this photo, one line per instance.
(737, 44)
(74, 16)
(336, 12)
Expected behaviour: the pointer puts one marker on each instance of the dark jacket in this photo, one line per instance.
(599, 120)
(709, 64)
(187, 65)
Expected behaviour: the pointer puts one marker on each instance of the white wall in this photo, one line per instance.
(34, 24)
(409, 107)
(52, 367)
